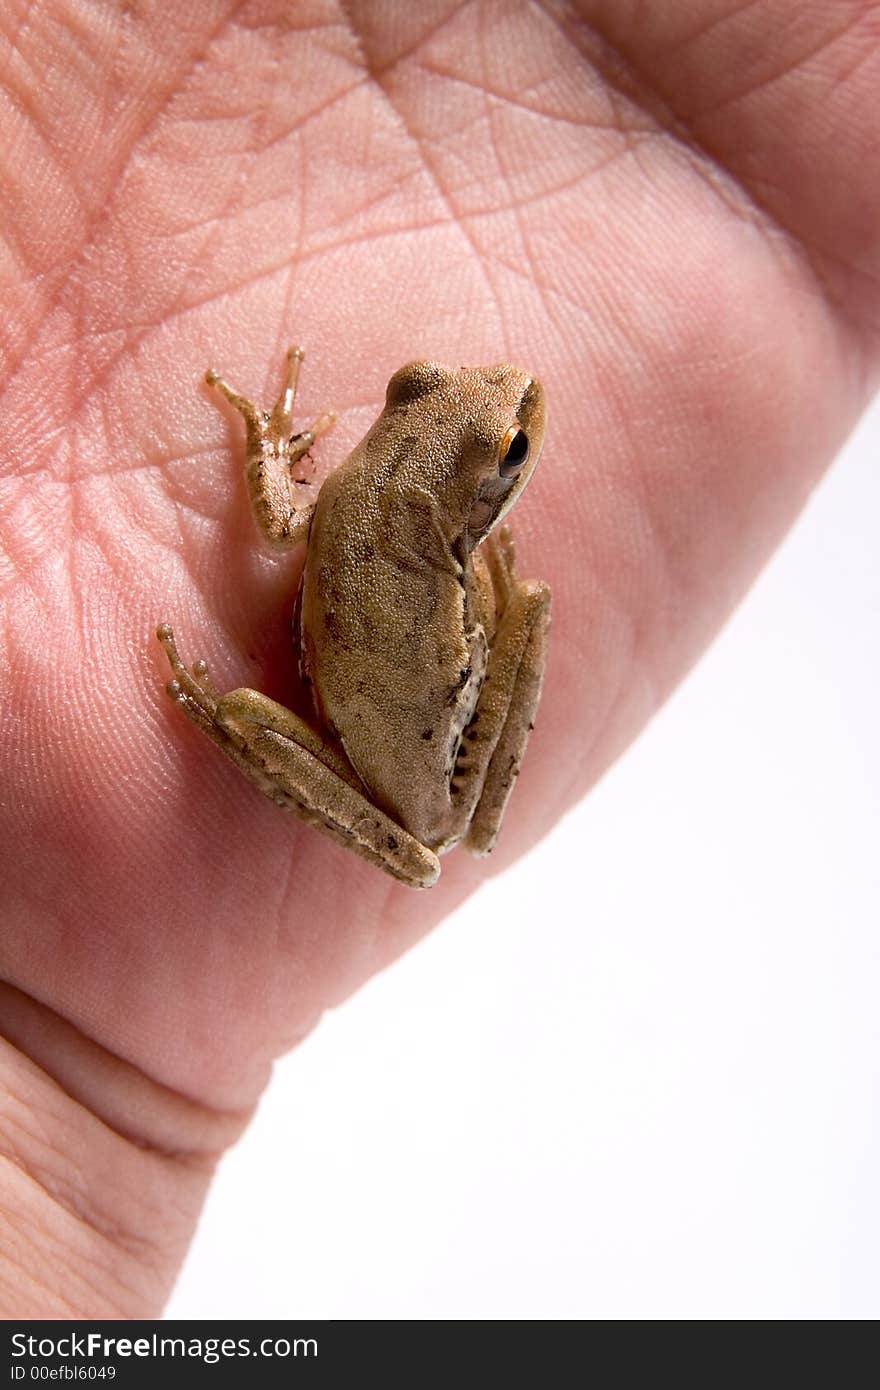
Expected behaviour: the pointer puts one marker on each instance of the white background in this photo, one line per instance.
(636, 1077)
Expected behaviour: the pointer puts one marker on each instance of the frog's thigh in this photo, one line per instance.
(508, 703)
(310, 778)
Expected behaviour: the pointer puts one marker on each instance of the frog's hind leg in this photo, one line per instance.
(505, 762)
(495, 741)
(297, 769)
(310, 778)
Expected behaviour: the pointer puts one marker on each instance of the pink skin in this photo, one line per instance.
(671, 213)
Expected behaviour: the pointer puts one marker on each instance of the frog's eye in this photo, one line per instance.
(513, 453)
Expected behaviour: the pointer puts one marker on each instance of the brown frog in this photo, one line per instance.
(423, 650)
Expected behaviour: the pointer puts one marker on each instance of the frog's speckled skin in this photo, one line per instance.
(425, 654)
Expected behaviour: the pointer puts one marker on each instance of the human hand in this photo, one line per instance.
(671, 220)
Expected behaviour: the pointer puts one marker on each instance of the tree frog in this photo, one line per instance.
(423, 651)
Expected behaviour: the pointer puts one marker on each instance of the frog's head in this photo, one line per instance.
(507, 433)
(481, 429)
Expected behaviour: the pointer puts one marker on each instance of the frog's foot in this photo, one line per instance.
(276, 426)
(191, 689)
(297, 769)
(273, 449)
(280, 422)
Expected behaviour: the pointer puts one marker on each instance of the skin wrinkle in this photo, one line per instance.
(74, 555)
(638, 88)
(845, 76)
(381, 84)
(870, 281)
(290, 278)
(25, 571)
(145, 328)
(731, 12)
(532, 275)
(134, 340)
(588, 124)
(683, 128)
(85, 1269)
(103, 209)
(69, 1197)
(232, 202)
(23, 24)
(60, 1047)
(51, 1301)
(358, 211)
(702, 166)
(794, 62)
(65, 1206)
(375, 69)
(506, 178)
(142, 332)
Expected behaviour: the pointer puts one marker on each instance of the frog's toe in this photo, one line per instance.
(501, 559)
(507, 547)
(200, 674)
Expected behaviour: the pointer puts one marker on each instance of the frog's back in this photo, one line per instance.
(384, 638)
(391, 631)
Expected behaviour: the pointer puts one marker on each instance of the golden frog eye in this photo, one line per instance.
(513, 453)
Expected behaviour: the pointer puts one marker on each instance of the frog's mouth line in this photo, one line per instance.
(486, 509)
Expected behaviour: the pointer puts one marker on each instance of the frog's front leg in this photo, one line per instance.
(495, 740)
(272, 451)
(296, 768)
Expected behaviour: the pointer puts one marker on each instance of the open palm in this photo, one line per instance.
(668, 213)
